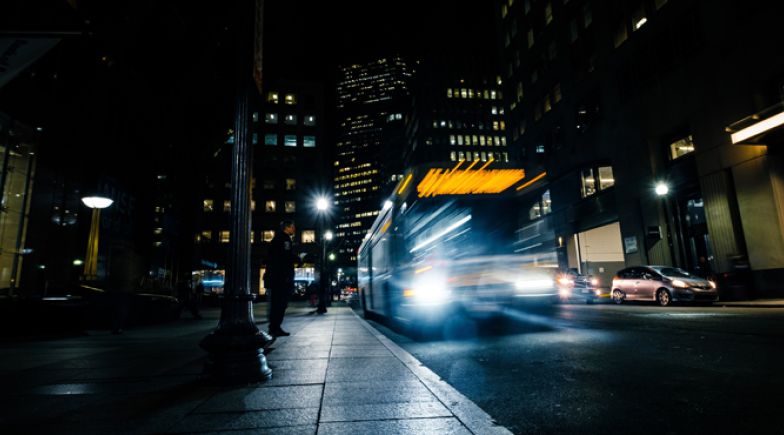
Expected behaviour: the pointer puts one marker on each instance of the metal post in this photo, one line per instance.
(236, 346)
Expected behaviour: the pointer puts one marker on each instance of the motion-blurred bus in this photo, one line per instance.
(443, 245)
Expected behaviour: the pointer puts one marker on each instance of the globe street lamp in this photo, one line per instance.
(97, 203)
(662, 190)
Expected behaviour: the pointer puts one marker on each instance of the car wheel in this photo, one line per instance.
(663, 297)
(618, 296)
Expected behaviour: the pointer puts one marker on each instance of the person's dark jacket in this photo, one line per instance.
(281, 261)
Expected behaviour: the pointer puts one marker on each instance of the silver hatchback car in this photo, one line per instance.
(662, 284)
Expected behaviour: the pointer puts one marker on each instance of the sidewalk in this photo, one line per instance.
(334, 375)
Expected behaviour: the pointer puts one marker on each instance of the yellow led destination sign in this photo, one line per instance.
(456, 181)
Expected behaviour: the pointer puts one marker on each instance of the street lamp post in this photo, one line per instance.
(322, 206)
(236, 346)
(96, 203)
(662, 190)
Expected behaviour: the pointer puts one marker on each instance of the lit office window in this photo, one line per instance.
(588, 183)
(255, 116)
(474, 140)
(208, 205)
(495, 125)
(452, 156)
(503, 141)
(460, 155)
(504, 10)
(252, 205)
(482, 141)
(269, 206)
(638, 18)
(268, 235)
(547, 105)
(503, 125)
(308, 236)
(494, 95)
(224, 237)
(291, 184)
(290, 119)
(548, 13)
(464, 93)
(620, 35)
(460, 140)
(252, 239)
(227, 206)
(449, 93)
(309, 141)
(496, 141)
(289, 206)
(290, 140)
(547, 204)
(540, 149)
(270, 139)
(535, 212)
(254, 138)
(681, 147)
(310, 120)
(270, 118)
(606, 178)
(206, 236)
(452, 140)
(291, 99)
(272, 97)
(494, 110)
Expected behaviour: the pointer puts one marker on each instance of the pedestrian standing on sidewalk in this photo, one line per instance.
(279, 277)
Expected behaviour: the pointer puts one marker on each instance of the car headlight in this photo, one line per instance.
(594, 281)
(679, 283)
(712, 284)
(565, 281)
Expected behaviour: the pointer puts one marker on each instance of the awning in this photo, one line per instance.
(19, 52)
(763, 128)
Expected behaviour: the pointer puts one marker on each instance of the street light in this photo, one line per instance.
(97, 203)
(322, 205)
(662, 190)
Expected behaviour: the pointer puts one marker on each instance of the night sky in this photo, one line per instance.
(143, 78)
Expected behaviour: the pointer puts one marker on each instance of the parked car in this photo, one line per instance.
(574, 286)
(662, 284)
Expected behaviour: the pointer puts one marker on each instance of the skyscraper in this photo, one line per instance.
(371, 101)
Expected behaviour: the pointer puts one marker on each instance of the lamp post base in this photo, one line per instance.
(237, 358)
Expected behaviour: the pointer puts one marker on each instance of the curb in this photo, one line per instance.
(748, 305)
(467, 412)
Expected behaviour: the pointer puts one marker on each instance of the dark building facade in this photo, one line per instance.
(289, 174)
(456, 118)
(371, 101)
(628, 111)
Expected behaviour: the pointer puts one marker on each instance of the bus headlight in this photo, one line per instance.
(429, 291)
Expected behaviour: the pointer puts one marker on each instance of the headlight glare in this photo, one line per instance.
(679, 283)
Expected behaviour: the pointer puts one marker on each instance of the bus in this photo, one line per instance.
(444, 245)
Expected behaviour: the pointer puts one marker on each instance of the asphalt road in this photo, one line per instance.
(626, 369)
